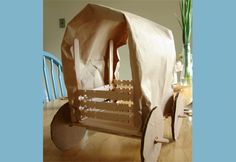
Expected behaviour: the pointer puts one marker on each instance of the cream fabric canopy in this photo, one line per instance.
(151, 48)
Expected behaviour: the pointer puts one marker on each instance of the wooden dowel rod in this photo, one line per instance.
(160, 140)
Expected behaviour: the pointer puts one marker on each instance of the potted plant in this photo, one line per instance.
(186, 26)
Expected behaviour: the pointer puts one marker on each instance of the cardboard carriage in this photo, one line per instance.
(98, 99)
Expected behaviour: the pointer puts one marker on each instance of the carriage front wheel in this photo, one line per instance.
(63, 135)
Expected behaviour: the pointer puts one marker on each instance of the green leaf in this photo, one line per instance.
(186, 19)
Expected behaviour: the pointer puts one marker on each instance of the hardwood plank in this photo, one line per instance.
(123, 129)
(111, 106)
(123, 90)
(110, 116)
(110, 62)
(106, 94)
(123, 82)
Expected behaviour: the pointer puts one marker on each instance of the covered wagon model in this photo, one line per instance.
(98, 99)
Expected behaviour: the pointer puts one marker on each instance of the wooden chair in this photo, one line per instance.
(53, 78)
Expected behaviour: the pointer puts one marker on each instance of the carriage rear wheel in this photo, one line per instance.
(64, 136)
(177, 116)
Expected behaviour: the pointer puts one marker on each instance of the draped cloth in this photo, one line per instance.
(85, 51)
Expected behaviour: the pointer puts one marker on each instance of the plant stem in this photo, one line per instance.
(187, 63)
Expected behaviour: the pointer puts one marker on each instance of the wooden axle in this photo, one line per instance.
(186, 114)
(187, 110)
(160, 140)
(189, 114)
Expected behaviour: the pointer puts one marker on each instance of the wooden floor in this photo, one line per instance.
(102, 147)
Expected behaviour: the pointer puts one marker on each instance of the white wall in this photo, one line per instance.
(160, 11)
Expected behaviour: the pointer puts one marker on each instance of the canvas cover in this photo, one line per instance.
(151, 48)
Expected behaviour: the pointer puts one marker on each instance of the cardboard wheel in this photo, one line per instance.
(153, 129)
(63, 135)
(178, 111)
